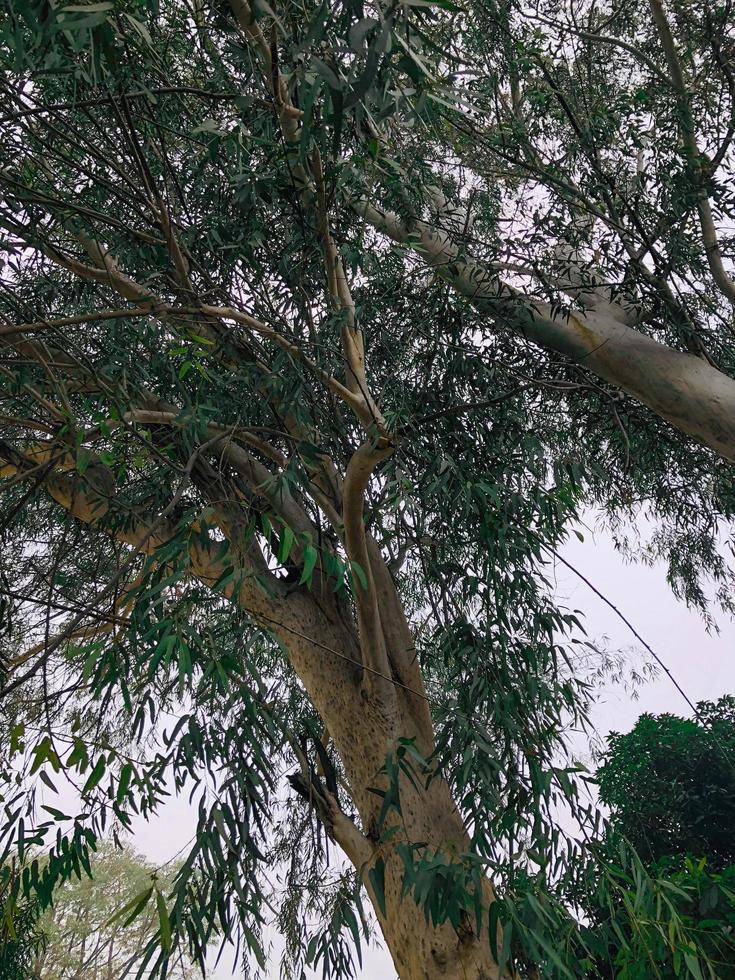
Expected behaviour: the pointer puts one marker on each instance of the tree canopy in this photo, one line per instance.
(21, 940)
(321, 326)
(670, 783)
(86, 933)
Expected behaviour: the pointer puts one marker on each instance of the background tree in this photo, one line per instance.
(22, 940)
(320, 326)
(670, 785)
(86, 937)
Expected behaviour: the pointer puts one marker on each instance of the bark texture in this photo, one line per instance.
(364, 730)
(326, 647)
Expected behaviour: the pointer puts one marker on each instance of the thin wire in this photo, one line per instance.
(695, 710)
(659, 660)
(620, 615)
(343, 656)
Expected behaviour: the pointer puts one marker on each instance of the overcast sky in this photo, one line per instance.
(703, 664)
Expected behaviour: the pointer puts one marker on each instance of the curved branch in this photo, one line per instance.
(288, 115)
(372, 641)
(66, 321)
(338, 825)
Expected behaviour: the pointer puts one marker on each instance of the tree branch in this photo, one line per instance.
(356, 402)
(689, 137)
(685, 390)
(68, 321)
(372, 641)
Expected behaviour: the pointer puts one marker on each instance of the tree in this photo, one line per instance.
(670, 784)
(320, 327)
(22, 940)
(85, 935)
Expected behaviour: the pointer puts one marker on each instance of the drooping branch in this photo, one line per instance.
(106, 270)
(11, 330)
(92, 499)
(312, 786)
(260, 481)
(353, 345)
(89, 498)
(116, 618)
(363, 462)
(298, 620)
(225, 442)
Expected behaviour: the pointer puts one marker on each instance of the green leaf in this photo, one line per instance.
(254, 945)
(358, 571)
(16, 738)
(126, 773)
(46, 779)
(84, 458)
(693, 966)
(164, 922)
(132, 909)
(95, 776)
(310, 557)
(78, 756)
(56, 814)
(44, 752)
(287, 539)
(376, 875)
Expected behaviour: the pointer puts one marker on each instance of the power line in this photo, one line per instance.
(695, 711)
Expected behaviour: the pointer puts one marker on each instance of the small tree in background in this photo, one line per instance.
(100, 928)
(670, 785)
(22, 937)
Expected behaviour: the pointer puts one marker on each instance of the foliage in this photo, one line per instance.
(670, 785)
(282, 497)
(85, 933)
(683, 923)
(22, 939)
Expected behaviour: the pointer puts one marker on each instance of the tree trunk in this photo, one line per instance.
(364, 730)
(419, 951)
(319, 629)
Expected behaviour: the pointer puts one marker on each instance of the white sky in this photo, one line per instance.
(703, 664)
